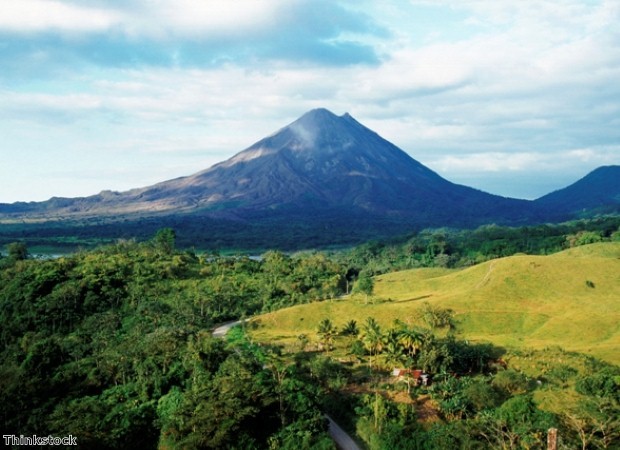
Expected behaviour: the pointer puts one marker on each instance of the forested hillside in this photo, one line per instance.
(114, 346)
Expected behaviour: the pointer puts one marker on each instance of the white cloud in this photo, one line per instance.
(527, 161)
(488, 162)
(141, 17)
(210, 17)
(43, 15)
(531, 83)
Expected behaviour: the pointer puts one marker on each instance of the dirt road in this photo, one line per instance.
(340, 437)
(221, 331)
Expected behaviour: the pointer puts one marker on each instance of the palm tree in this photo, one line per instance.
(372, 338)
(350, 329)
(327, 332)
(393, 348)
(410, 339)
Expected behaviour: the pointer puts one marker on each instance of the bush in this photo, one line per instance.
(481, 395)
(511, 382)
(604, 384)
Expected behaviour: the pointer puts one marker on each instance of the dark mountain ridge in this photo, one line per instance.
(598, 191)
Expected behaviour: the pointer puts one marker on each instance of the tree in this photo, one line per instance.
(364, 285)
(372, 338)
(480, 395)
(165, 240)
(583, 238)
(410, 339)
(392, 348)
(436, 317)
(327, 332)
(17, 251)
(350, 329)
(434, 356)
(276, 266)
(518, 422)
(511, 382)
(594, 420)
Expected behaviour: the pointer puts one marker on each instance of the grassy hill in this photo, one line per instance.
(570, 299)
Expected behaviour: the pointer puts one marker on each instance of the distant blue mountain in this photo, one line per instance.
(597, 192)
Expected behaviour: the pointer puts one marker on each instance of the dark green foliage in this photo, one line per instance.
(593, 423)
(453, 435)
(435, 356)
(435, 317)
(327, 333)
(450, 394)
(605, 383)
(470, 358)
(459, 248)
(357, 349)
(17, 251)
(481, 395)
(165, 240)
(561, 374)
(114, 347)
(519, 420)
(304, 434)
(364, 285)
(350, 329)
(511, 382)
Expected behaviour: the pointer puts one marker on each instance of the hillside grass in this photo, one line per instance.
(570, 300)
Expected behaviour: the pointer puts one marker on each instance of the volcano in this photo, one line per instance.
(320, 163)
(321, 174)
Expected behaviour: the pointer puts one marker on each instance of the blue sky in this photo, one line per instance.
(514, 98)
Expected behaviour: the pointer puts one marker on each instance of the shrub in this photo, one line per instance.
(511, 381)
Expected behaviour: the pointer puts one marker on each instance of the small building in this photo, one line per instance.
(418, 376)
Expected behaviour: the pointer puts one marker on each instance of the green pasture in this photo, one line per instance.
(570, 300)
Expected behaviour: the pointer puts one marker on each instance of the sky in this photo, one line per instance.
(516, 98)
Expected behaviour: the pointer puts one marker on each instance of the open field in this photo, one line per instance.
(570, 299)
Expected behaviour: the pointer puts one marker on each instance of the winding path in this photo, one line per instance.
(221, 331)
(340, 437)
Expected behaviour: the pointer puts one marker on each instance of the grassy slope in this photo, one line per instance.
(519, 301)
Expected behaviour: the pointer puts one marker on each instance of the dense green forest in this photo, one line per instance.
(114, 346)
(461, 248)
(340, 231)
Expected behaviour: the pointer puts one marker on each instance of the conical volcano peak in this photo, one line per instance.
(318, 120)
(324, 118)
(320, 128)
(324, 114)
(318, 113)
